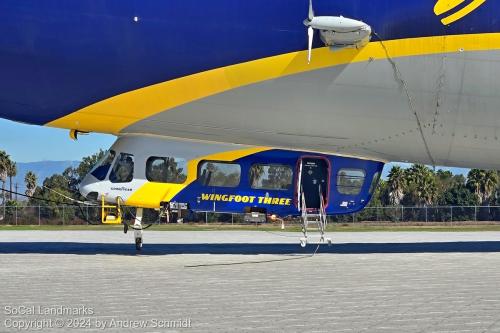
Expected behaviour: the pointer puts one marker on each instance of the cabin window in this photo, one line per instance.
(102, 167)
(123, 169)
(166, 170)
(350, 181)
(219, 174)
(374, 183)
(271, 177)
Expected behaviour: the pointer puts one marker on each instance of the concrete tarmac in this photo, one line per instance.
(224, 281)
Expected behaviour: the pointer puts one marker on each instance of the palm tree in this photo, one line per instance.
(483, 183)
(4, 162)
(490, 182)
(4, 158)
(422, 183)
(397, 185)
(30, 180)
(474, 180)
(11, 172)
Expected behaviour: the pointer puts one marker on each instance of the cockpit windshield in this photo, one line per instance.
(102, 167)
(123, 170)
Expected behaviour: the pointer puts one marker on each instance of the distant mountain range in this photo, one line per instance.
(42, 170)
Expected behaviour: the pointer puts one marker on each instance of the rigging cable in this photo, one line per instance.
(75, 203)
(256, 261)
(411, 104)
(84, 217)
(148, 226)
(151, 224)
(42, 199)
(66, 197)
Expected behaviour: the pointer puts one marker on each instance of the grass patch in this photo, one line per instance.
(355, 227)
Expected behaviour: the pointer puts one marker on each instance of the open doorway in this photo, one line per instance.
(314, 177)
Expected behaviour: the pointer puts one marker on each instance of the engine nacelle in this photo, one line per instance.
(341, 31)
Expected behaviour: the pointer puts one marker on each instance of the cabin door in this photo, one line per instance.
(313, 177)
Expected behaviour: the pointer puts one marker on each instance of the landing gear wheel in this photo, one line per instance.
(138, 229)
(303, 242)
(125, 228)
(138, 244)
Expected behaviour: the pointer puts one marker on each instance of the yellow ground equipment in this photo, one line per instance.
(111, 214)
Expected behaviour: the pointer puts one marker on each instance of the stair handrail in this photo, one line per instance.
(304, 206)
(322, 209)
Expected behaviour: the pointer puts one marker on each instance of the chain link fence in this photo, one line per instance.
(74, 215)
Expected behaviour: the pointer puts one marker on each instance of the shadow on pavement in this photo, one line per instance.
(244, 248)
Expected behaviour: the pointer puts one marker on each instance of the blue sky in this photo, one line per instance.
(28, 143)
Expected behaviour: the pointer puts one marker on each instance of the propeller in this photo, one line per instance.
(310, 31)
(310, 34)
(311, 11)
(335, 31)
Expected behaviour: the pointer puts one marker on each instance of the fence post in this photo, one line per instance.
(475, 213)
(63, 215)
(16, 213)
(426, 220)
(232, 218)
(451, 214)
(206, 217)
(402, 213)
(39, 209)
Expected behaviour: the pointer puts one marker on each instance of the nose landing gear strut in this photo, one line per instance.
(138, 228)
(138, 231)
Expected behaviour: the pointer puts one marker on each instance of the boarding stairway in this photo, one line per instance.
(313, 219)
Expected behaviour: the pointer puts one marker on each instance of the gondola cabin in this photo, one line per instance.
(154, 172)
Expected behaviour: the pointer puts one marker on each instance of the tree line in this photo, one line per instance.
(421, 186)
(8, 170)
(418, 186)
(54, 191)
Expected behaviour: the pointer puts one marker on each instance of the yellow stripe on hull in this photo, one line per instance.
(462, 12)
(116, 113)
(443, 6)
